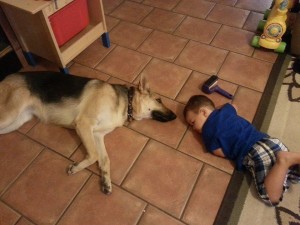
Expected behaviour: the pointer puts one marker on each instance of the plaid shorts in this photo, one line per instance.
(259, 162)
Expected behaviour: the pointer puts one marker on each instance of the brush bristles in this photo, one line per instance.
(212, 81)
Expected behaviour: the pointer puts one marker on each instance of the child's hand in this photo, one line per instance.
(219, 152)
(234, 106)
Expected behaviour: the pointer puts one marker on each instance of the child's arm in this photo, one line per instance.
(232, 104)
(219, 152)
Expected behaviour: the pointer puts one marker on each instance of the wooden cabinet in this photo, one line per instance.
(30, 22)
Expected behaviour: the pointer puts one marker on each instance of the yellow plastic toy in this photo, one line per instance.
(274, 27)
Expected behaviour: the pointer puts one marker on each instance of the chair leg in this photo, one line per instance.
(29, 58)
(105, 40)
(64, 70)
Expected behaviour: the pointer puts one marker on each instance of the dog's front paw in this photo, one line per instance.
(71, 169)
(106, 186)
(106, 189)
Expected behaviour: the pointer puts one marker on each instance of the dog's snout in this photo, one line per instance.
(172, 116)
(163, 117)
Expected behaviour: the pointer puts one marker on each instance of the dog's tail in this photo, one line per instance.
(5, 93)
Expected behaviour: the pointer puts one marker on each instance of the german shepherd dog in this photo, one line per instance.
(92, 107)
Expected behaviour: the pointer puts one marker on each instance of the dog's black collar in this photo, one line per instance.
(130, 108)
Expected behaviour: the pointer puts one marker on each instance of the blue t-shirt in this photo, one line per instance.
(235, 135)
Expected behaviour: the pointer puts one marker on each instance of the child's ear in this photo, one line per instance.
(204, 111)
(201, 110)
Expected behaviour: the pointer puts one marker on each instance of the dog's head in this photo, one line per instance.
(147, 104)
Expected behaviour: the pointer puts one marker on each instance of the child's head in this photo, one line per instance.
(197, 110)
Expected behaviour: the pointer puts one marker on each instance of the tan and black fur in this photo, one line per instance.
(92, 107)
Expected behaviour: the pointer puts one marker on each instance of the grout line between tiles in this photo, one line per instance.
(142, 20)
(179, 91)
(73, 199)
(241, 28)
(143, 213)
(210, 11)
(149, 203)
(111, 49)
(21, 217)
(133, 164)
(16, 211)
(174, 61)
(191, 192)
(6, 189)
(175, 149)
(53, 150)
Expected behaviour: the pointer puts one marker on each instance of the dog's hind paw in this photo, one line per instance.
(106, 189)
(70, 169)
(106, 186)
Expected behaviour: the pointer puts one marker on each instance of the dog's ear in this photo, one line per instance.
(144, 85)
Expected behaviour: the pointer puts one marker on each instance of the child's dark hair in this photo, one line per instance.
(197, 101)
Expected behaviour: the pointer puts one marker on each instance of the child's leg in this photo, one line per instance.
(276, 176)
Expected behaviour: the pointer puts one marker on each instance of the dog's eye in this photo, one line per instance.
(158, 100)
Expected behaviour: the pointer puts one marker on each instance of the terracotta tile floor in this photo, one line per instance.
(160, 171)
